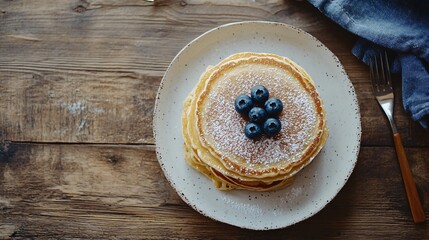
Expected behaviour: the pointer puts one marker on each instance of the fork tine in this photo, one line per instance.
(377, 79)
(372, 75)
(383, 72)
(388, 78)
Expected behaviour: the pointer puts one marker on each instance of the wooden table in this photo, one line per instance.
(78, 81)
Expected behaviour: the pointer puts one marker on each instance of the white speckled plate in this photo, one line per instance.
(317, 184)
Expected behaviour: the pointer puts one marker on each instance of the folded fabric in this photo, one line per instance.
(400, 27)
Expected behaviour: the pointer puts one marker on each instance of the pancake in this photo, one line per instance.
(214, 142)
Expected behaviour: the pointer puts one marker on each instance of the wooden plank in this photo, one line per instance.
(77, 106)
(104, 191)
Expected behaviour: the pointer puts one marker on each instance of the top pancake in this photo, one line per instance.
(220, 127)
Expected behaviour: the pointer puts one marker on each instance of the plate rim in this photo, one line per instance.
(352, 93)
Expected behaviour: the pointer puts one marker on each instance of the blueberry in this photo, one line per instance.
(272, 127)
(257, 115)
(273, 106)
(252, 130)
(243, 104)
(259, 94)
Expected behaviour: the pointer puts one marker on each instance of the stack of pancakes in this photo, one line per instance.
(214, 140)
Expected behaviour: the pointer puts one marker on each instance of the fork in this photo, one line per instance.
(382, 84)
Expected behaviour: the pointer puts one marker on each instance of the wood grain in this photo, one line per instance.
(78, 81)
(77, 106)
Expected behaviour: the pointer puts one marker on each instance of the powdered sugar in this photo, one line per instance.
(245, 208)
(223, 126)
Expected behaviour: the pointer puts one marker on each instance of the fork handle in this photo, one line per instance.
(410, 187)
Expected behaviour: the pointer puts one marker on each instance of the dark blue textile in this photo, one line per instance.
(401, 28)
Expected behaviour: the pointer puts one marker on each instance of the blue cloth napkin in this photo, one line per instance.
(401, 28)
